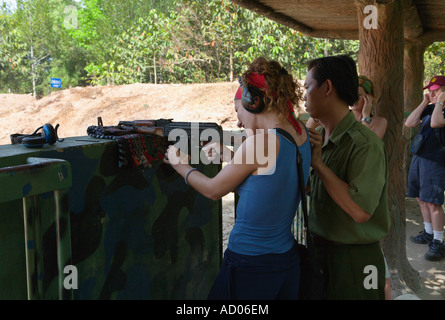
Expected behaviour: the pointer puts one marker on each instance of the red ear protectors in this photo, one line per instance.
(252, 98)
(36, 140)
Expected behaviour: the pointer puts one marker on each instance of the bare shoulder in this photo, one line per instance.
(262, 140)
(301, 138)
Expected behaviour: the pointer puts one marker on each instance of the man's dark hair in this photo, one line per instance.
(342, 72)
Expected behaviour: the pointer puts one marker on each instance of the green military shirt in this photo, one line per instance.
(358, 157)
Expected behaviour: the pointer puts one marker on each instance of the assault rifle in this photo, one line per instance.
(177, 132)
(195, 131)
(163, 127)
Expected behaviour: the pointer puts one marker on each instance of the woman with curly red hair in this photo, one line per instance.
(261, 260)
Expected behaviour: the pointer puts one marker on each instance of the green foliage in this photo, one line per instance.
(150, 41)
(90, 17)
(32, 44)
(135, 55)
(13, 53)
(121, 42)
(434, 58)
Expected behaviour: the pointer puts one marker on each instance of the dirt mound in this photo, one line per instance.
(77, 108)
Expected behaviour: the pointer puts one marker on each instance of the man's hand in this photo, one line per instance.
(316, 141)
(441, 97)
(427, 97)
(367, 106)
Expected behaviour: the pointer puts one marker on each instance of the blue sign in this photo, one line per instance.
(56, 83)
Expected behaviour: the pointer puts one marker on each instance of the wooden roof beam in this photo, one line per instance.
(413, 24)
(335, 34)
(269, 13)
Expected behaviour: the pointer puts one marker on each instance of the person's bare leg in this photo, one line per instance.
(426, 235)
(425, 209)
(437, 220)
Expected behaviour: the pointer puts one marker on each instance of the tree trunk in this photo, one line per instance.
(380, 58)
(414, 73)
(231, 49)
(154, 67)
(33, 70)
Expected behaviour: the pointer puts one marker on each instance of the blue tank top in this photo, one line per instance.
(268, 204)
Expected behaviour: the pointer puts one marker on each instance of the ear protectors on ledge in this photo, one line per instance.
(36, 140)
(252, 98)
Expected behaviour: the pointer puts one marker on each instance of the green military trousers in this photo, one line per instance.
(353, 271)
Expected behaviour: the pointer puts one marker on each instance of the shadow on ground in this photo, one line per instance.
(432, 273)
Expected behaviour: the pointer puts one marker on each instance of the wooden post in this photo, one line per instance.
(380, 58)
(413, 88)
(414, 73)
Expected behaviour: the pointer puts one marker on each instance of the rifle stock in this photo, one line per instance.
(150, 130)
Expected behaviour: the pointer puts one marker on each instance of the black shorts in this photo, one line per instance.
(426, 180)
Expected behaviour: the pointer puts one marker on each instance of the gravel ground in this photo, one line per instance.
(432, 273)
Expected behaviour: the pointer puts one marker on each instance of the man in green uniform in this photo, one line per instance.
(348, 206)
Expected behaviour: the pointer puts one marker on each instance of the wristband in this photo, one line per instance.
(187, 174)
(440, 102)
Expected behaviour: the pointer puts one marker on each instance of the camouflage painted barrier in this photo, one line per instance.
(135, 233)
(26, 182)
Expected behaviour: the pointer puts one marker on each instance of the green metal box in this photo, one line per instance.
(135, 233)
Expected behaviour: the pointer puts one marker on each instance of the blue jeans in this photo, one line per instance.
(263, 277)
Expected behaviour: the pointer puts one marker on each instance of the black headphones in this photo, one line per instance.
(252, 98)
(37, 140)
